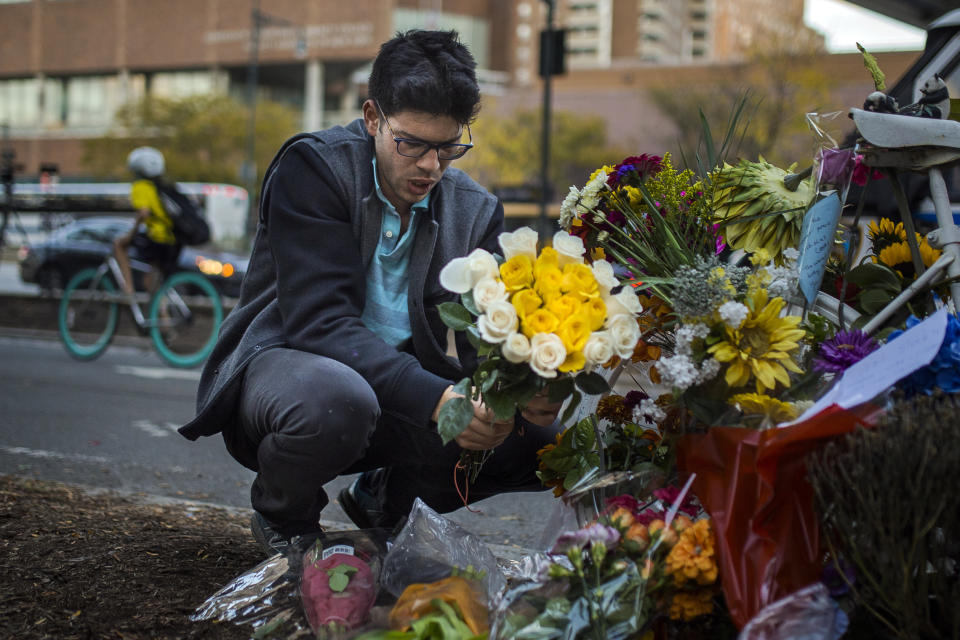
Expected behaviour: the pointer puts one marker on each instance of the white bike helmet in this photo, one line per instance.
(146, 162)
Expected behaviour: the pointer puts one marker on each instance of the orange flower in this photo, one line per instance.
(693, 558)
(687, 605)
(622, 518)
(644, 352)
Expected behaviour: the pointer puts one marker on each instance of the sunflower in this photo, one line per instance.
(897, 257)
(885, 233)
(761, 345)
(772, 409)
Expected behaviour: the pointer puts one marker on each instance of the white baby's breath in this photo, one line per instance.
(733, 313)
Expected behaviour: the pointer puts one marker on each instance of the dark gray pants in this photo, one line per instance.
(305, 419)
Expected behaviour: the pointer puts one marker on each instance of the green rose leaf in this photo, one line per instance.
(572, 407)
(592, 383)
(455, 316)
(483, 347)
(455, 415)
(503, 403)
(870, 275)
(470, 303)
(560, 390)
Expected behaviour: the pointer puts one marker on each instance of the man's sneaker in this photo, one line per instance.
(272, 541)
(362, 507)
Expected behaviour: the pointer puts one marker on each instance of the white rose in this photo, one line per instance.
(460, 274)
(516, 348)
(624, 302)
(599, 348)
(523, 241)
(625, 333)
(498, 322)
(546, 354)
(487, 291)
(569, 248)
(603, 273)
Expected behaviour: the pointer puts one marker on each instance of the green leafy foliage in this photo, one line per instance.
(203, 138)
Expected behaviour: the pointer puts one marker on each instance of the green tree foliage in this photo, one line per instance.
(508, 149)
(784, 80)
(203, 138)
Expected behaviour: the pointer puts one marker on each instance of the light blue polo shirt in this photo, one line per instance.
(385, 309)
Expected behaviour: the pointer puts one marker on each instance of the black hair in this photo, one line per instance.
(428, 71)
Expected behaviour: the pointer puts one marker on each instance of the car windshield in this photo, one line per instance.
(94, 232)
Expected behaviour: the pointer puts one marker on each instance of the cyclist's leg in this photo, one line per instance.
(121, 247)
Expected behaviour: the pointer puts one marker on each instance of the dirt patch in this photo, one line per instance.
(81, 565)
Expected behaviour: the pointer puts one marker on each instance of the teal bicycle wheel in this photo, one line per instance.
(185, 317)
(87, 317)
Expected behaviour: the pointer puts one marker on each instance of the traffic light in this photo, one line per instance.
(552, 46)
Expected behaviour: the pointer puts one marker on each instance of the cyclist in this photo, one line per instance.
(155, 244)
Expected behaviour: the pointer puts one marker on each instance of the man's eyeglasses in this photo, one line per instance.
(413, 148)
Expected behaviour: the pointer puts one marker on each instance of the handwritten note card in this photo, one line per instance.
(913, 349)
(816, 239)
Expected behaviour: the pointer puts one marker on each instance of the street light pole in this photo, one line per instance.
(250, 162)
(547, 72)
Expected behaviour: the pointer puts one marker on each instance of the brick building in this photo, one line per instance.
(67, 65)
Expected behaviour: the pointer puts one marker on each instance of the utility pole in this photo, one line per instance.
(551, 64)
(257, 20)
(7, 169)
(250, 162)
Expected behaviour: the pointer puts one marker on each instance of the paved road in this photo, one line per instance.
(111, 423)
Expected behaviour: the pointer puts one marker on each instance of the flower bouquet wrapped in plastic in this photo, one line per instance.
(541, 321)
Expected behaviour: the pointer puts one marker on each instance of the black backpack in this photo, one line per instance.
(189, 226)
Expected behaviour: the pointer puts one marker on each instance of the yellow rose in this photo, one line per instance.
(573, 362)
(526, 301)
(548, 283)
(548, 258)
(540, 321)
(517, 273)
(574, 332)
(596, 311)
(564, 306)
(579, 281)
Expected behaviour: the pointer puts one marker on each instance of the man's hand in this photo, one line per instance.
(482, 433)
(540, 411)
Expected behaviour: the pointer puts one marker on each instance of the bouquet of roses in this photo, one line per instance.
(540, 321)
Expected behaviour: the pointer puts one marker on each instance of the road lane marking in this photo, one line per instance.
(55, 455)
(155, 429)
(157, 373)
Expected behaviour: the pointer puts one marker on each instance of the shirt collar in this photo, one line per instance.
(423, 204)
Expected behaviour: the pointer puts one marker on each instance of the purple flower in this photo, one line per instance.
(836, 166)
(634, 398)
(585, 537)
(843, 350)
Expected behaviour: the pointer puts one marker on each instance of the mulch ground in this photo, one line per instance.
(82, 565)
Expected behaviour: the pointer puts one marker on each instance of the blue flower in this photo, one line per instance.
(943, 371)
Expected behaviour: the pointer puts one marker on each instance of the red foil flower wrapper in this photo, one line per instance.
(753, 484)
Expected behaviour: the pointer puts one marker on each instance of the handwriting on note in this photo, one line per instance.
(816, 240)
(883, 368)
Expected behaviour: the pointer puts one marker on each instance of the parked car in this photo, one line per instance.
(86, 242)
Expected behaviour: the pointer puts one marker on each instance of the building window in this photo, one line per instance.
(91, 100)
(183, 84)
(19, 102)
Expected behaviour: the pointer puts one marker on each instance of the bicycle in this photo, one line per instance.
(184, 315)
